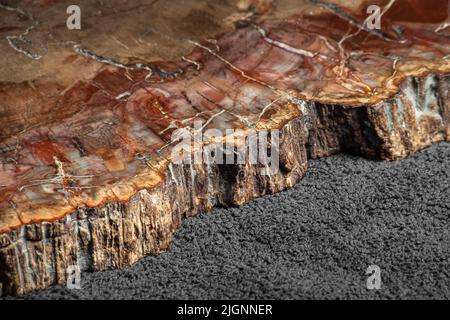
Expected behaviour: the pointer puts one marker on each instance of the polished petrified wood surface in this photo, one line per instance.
(86, 116)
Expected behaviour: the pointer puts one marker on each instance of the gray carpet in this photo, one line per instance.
(313, 241)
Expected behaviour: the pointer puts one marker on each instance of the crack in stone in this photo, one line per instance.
(18, 42)
(197, 65)
(442, 27)
(242, 119)
(287, 47)
(338, 11)
(282, 93)
(232, 66)
(151, 69)
(61, 178)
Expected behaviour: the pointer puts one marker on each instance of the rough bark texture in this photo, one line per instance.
(87, 176)
(413, 119)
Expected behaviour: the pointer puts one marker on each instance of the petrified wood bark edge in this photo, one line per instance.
(118, 234)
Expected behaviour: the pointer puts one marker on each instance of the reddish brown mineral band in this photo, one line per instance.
(87, 119)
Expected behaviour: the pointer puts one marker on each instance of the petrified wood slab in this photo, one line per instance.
(87, 117)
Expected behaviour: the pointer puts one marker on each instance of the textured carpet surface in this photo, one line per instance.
(313, 241)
